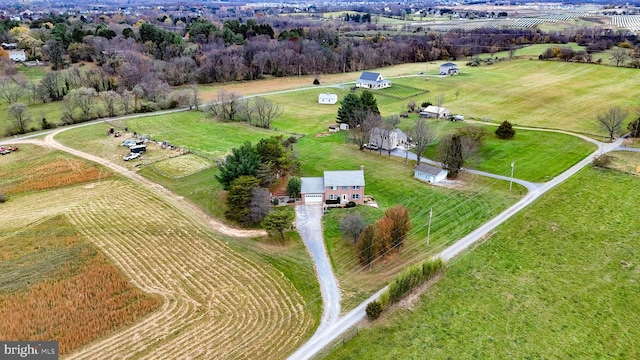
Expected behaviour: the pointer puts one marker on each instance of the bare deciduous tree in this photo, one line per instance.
(54, 50)
(83, 99)
(352, 225)
(360, 124)
(194, 101)
(619, 56)
(12, 88)
(265, 111)
(18, 117)
(440, 99)
(110, 98)
(611, 120)
(422, 137)
(125, 101)
(225, 106)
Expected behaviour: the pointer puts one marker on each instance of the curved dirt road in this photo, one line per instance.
(166, 194)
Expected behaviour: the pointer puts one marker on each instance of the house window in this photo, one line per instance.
(345, 187)
(355, 187)
(333, 187)
(333, 197)
(355, 196)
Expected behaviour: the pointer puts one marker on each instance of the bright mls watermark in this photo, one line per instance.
(31, 350)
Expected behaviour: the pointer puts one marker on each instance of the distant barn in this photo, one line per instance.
(329, 99)
(449, 69)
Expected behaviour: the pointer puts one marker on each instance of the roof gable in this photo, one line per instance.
(370, 76)
(311, 185)
(344, 178)
(428, 169)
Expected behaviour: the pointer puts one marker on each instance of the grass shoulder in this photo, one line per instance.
(560, 279)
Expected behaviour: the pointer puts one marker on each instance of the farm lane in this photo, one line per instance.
(168, 195)
(321, 340)
(309, 225)
(531, 186)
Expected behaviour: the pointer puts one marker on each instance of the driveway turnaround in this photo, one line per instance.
(309, 225)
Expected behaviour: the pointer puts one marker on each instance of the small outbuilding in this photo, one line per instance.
(436, 112)
(449, 69)
(17, 55)
(334, 128)
(372, 80)
(344, 126)
(430, 174)
(328, 99)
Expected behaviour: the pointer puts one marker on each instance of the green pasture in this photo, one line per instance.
(548, 94)
(539, 156)
(191, 130)
(457, 210)
(559, 280)
(532, 51)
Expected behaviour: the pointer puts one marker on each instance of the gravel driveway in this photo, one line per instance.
(309, 225)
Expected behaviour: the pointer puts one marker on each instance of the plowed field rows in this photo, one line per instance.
(218, 304)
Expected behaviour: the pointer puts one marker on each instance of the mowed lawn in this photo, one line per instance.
(559, 280)
(457, 211)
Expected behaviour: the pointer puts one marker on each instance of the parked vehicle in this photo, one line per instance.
(128, 143)
(131, 156)
(456, 117)
(138, 148)
(371, 146)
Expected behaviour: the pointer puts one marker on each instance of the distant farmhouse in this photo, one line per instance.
(387, 139)
(449, 69)
(339, 187)
(371, 80)
(435, 112)
(430, 174)
(327, 99)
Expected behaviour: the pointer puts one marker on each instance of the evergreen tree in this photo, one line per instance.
(505, 130)
(452, 155)
(348, 107)
(239, 197)
(368, 102)
(242, 161)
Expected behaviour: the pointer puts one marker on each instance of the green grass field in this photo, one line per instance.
(560, 280)
(456, 210)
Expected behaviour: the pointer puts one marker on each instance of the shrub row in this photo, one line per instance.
(403, 284)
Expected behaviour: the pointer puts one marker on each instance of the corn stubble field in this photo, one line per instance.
(203, 300)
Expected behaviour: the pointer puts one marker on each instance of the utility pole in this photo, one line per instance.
(429, 228)
(511, 182)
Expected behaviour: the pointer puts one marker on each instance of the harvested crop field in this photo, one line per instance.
(217, 304)
(48, 171)
(56, 285)
(213, 302)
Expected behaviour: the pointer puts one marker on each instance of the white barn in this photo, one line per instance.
(329, 99)
(436, 112)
